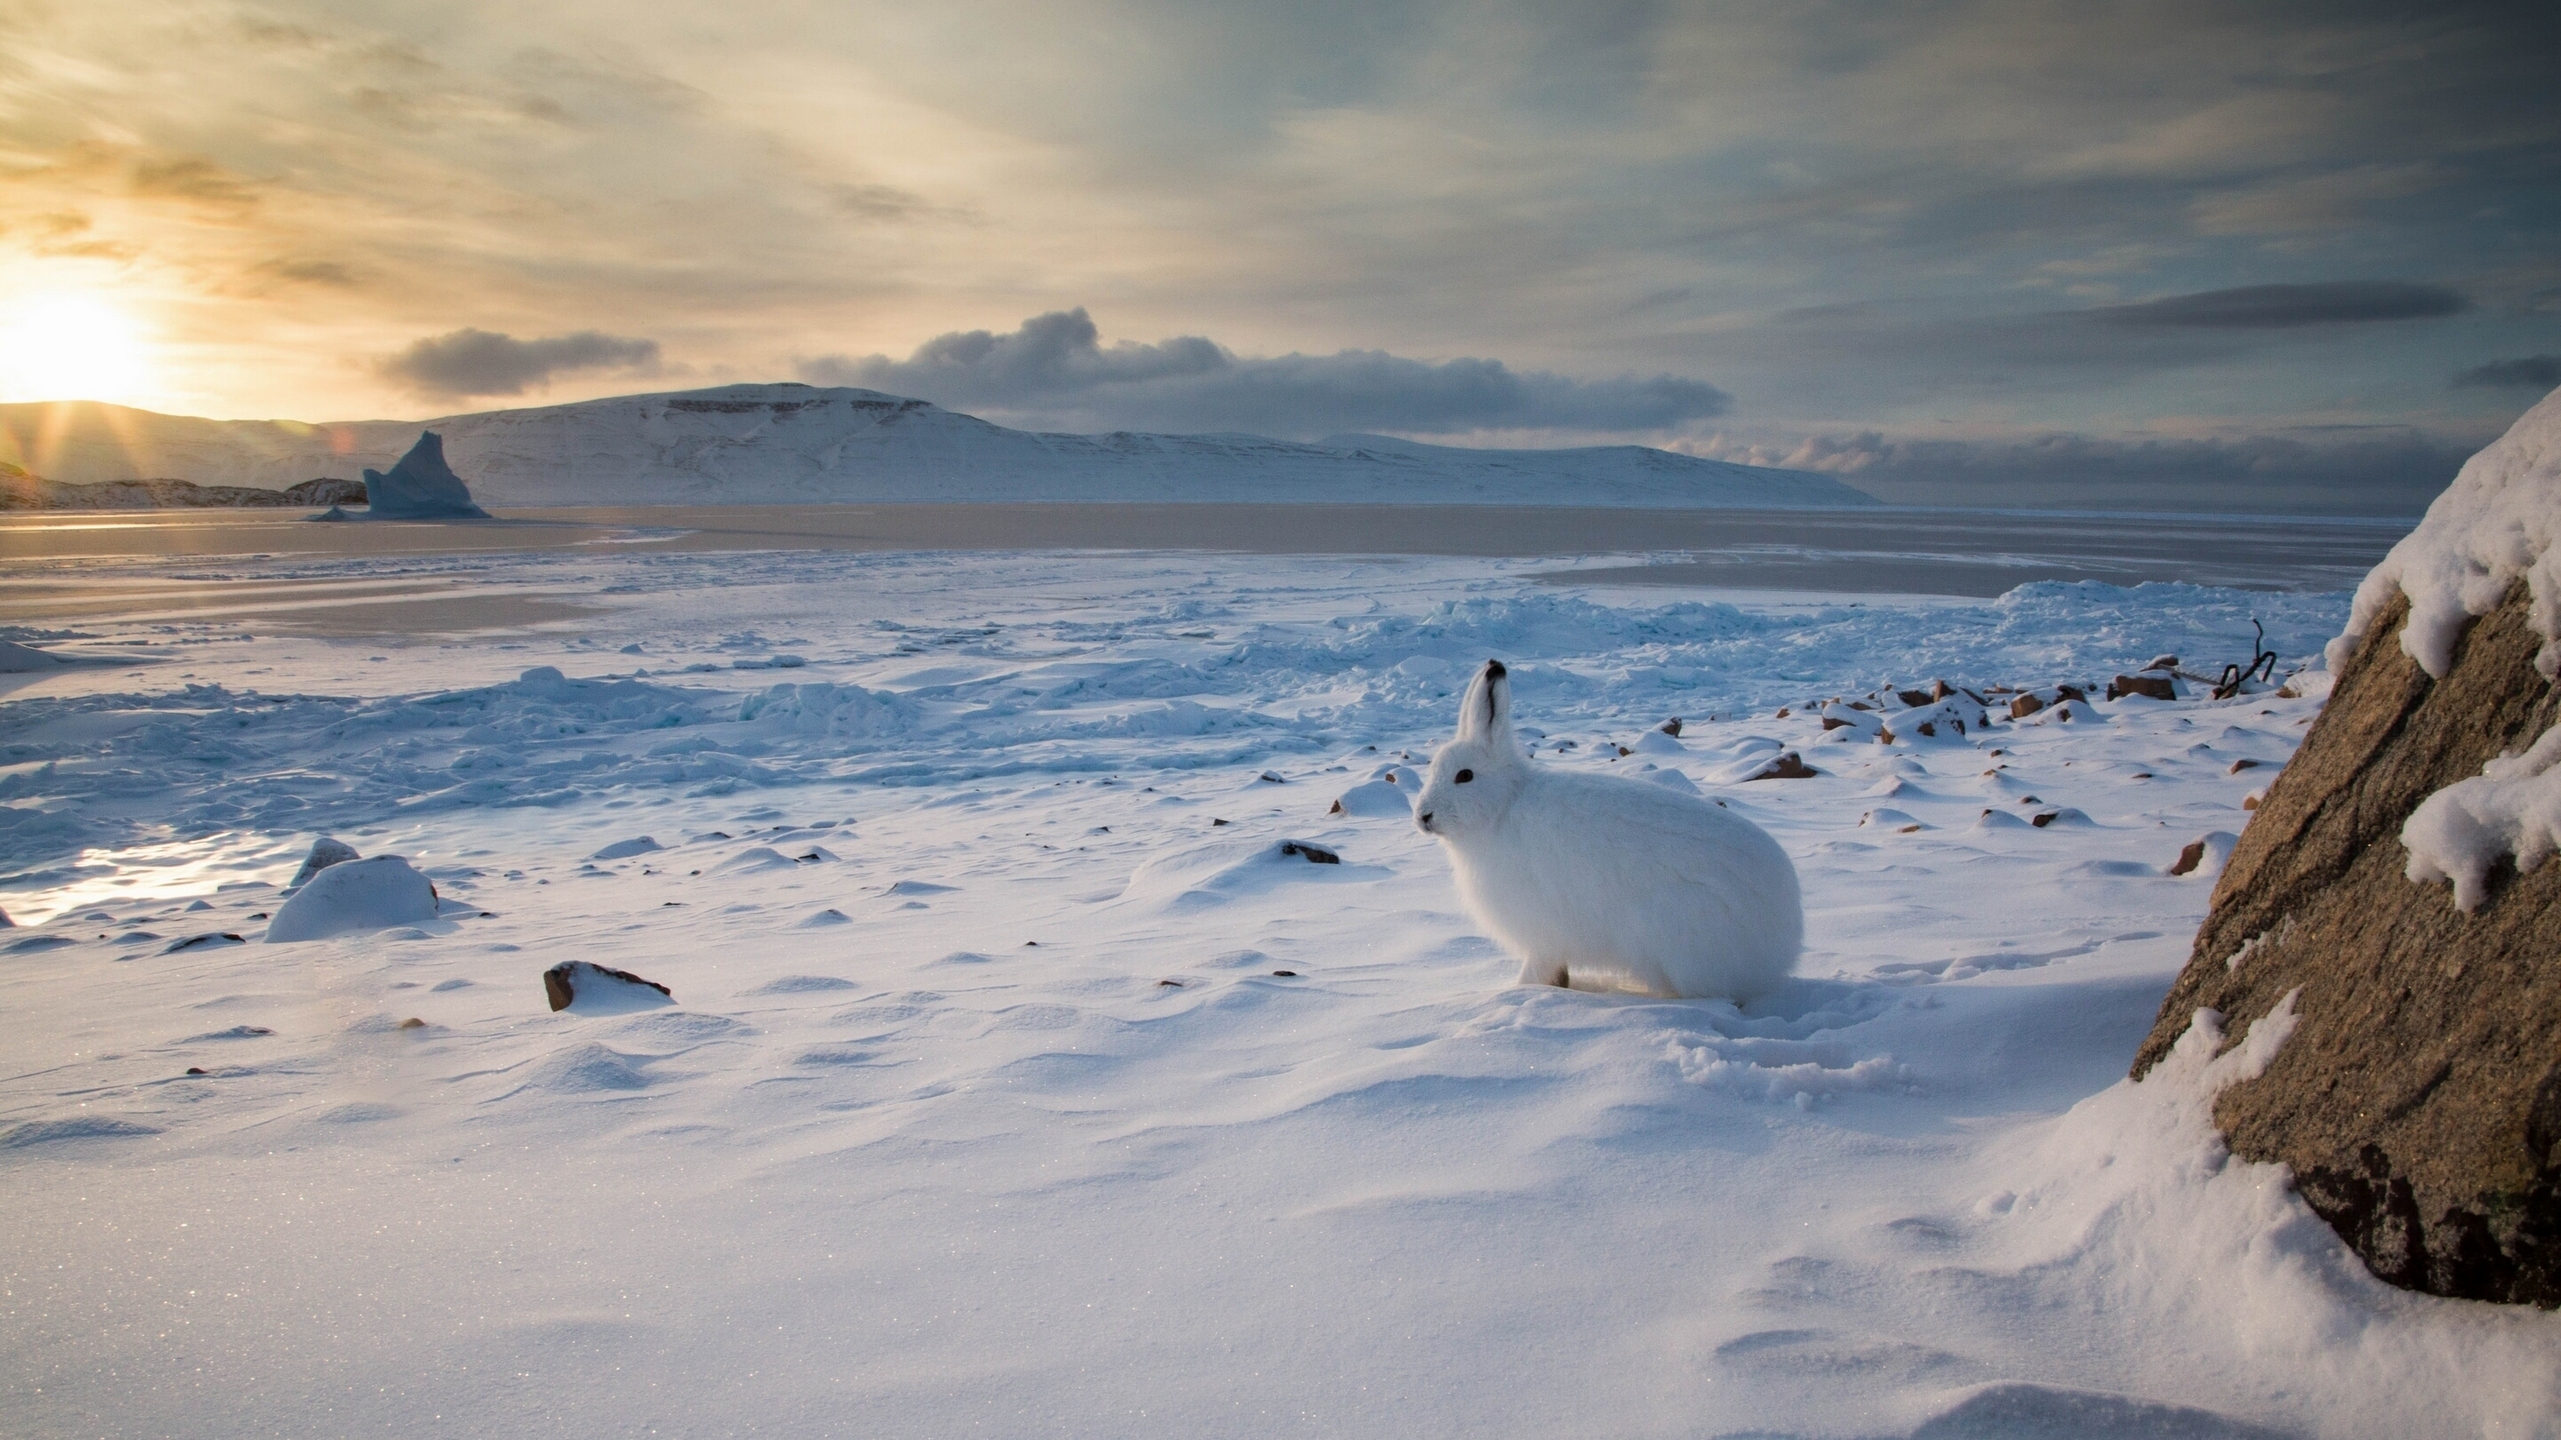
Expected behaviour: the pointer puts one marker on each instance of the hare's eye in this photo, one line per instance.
(1463, 776)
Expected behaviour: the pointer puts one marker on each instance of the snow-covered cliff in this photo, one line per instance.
(798, 444)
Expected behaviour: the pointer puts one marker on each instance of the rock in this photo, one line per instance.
(2244, 764)
(198, 942)
(326, 492)
(325, 852)
(1314, 854)
(601, 989)
(2418, 1099)
(1786, 765)
(2157, 687)
(1672, 727)
(1914, 699)
(2164, 663)
(625, 849)
(2024, 706)
(353, 896)
(421, 487)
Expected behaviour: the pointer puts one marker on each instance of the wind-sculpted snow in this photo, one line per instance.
(1044, 1048)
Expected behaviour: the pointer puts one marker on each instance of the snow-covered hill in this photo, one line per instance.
(797, 444)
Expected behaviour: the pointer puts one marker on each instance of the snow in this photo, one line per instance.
(2497, 524)
(1086, 1113)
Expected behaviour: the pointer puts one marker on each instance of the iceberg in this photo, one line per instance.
(421, 487)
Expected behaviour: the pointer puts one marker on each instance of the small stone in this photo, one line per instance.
(1214, 823)
(1672, 727)
(1270, 778)
(1286, 974)
(1314, 854)
(1913, 699)
(1173, 984)
(414, 1023)
(2024, 706)
(2244, 764)
(2040, 821)
(2190, 857)
(1782, 712)
(196, 1070)
(2157, 687)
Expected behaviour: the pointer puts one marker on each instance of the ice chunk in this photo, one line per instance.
(353, 896)
(17, 659)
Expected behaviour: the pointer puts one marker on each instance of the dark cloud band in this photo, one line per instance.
(2530, 372)
(482, 362)
(1054, 370)
(2384, 470)
(2278, 307)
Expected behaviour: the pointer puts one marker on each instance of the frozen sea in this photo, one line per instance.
(1017, 1082)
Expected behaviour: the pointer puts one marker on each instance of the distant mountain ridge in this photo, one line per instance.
(800, 444)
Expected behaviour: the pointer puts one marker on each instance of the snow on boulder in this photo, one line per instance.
(325, 852)
(588, 988)
(2418, 1100)
(1373, 800)
(353, 896)
(421, 487)
(1942, 720)
(625, 849)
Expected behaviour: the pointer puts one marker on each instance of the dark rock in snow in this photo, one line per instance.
(2157, 687)
(2419, 1097)
(1314, 854)
(198, 942)
(1788, 765)
(421, 487)
(565, 982)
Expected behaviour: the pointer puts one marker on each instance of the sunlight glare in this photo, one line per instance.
(70, 346)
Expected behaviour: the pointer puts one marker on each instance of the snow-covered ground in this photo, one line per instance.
(1006, 1091)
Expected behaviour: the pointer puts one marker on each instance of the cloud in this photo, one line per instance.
(2277, 307)
(2382, 470)
(2541, 372)
(1055, 370)
(480, 362)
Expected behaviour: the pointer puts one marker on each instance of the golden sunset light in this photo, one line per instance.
(70, 345)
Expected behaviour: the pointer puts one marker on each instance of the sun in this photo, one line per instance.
(70, 346)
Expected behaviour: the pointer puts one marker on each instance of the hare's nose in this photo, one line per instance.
(1424, 819)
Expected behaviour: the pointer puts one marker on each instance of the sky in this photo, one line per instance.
(2285, 255)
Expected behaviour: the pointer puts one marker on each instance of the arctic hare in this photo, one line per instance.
(1623, 880)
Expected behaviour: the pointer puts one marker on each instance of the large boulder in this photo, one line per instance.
(421, 487)
(2418, 1101)
(354, 896)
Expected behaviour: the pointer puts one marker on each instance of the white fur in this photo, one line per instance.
(1595, 878)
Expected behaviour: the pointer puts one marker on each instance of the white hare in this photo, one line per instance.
(1599, 876)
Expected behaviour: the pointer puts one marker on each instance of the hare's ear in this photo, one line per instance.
(1487, 710)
